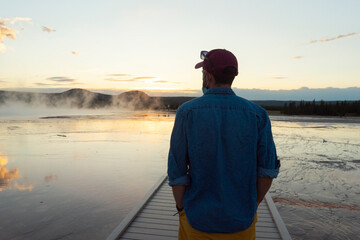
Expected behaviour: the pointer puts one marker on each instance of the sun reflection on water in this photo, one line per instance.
(8, 175)
(86, 164)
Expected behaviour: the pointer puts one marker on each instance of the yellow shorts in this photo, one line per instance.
(186, 232)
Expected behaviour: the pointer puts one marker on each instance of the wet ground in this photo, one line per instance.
(318, 190)
(75, 176)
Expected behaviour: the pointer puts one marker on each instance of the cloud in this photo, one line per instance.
(47, 29)
(121, 80)
(75, 53)
(8, 32)
(135, 79)
(279, 77)
(161, 81)
(19, 19)
(57, 84)
(138, 78)
(61, 79)
(335, 38)
(38, 90)
(5, 31)
(298, 57)
(164, 81)
(2, 47)
(119, 75)
(174, 92)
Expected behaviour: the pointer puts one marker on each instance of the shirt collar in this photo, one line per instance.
(220, 90)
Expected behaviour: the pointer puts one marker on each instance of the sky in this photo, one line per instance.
(153, 46)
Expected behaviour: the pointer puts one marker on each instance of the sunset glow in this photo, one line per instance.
(154, 45)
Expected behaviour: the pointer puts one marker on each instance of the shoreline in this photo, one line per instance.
(313, 118)
(274, 116)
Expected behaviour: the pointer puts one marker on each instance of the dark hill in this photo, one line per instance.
(131, 95)
(137, 100)
(81, 98)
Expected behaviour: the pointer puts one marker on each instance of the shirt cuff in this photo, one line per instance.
(264, 172)
(183, 180)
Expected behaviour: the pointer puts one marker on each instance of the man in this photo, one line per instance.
(222, 156)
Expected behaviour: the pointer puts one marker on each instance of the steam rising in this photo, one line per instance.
(80, 99)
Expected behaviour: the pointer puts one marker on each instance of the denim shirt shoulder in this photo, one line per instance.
(209, 100)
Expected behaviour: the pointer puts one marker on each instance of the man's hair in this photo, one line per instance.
(226, 80)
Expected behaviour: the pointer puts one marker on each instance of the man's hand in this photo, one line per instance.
(263, 185)
(178, 192)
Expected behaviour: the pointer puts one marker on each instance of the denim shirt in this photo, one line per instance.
(220, 145)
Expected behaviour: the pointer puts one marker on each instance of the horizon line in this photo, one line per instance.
(21, 89)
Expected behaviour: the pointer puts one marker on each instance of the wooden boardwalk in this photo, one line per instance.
(152, 218)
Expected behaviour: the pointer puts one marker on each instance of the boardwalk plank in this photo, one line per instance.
(164, 217)
(161, 203)
(154, 219)
(171, 208)
(157, 232)
(270, 235)
(157, 221)
(266, 229)
(169, 198)
(163, 200)
(141, 236)
(155, 226)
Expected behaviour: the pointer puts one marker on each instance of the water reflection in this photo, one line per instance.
(90, 170)
(7, 177)
(50, 178)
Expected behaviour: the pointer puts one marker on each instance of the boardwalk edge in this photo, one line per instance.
(119, 230)
(277, 218)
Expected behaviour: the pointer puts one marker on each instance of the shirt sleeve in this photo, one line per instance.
(268, 164)
(178, 153)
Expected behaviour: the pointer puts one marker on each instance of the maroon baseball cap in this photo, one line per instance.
(216, 61)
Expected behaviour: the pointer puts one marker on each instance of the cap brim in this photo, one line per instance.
(199, 65)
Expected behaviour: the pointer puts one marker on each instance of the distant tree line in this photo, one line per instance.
(339, 108)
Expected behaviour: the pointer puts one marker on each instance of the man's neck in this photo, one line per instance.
(220, 85)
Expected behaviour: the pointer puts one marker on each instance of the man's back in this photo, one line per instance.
(222, 156)
(227, 143)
